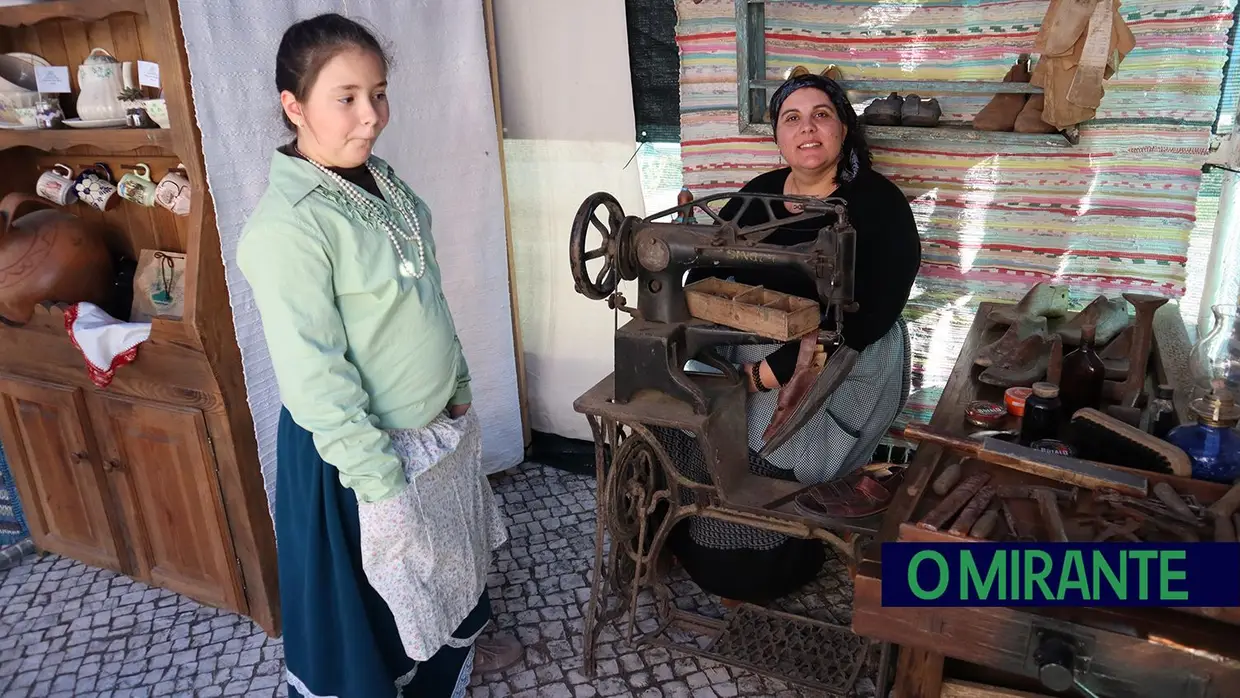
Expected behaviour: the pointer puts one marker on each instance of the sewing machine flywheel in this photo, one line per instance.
(618, 259)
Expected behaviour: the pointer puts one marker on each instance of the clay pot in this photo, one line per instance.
(48, 256)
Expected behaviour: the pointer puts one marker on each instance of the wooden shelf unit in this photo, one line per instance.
(78, 10)
(112, 140)
(156, 476)
(753, 90)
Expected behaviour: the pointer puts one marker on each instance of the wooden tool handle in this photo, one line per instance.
(1051, 516)
(1168, 496)
(985, 525)
(924, 432)
(1226, 505)
(972, 511)
(948, 478)
(952, 503)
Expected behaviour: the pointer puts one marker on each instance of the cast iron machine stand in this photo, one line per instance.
(642, 494)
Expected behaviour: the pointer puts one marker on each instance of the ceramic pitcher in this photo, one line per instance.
(102, 81)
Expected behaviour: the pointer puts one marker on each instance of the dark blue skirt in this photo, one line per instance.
(339, 637)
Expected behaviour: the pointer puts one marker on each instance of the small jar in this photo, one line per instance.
(1161, 417)
(134, 117)
(47, 112)
(985, 414)
(1041, 419)
(1014, 399)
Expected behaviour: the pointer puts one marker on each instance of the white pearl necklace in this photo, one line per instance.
(407, 211)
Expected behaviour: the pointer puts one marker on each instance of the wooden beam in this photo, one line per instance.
(968, 689)
(488, 17)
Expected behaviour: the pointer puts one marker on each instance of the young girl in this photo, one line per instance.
(385, 523)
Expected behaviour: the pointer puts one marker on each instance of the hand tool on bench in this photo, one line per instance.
(1051, 516)
(985, 525)
(953, 502)
(1026, 492)
(1226, 521)
(1226, 505)
(1126, 392)
(1175, 503)
(1073, 471)
(973, 511)
(948, 478)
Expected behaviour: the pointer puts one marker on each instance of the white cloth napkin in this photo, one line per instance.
(105, 342)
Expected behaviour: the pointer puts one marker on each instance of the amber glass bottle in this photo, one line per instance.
(1080, 382)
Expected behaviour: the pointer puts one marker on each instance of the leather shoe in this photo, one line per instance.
(854, 497)
(496, 653)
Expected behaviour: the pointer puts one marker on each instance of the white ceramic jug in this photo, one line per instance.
(101, 83)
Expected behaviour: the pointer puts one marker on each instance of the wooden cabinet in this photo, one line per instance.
(57, 469)
(122, 484)
(156, 475)
(162, 471)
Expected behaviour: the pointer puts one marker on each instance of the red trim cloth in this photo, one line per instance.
(103, 340)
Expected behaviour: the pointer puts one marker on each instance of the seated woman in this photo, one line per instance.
(821, 139)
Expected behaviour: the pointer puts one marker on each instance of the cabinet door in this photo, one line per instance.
(46, 435)
(163, 471)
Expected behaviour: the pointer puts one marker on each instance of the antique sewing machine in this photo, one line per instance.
(641, 493)
(653, 348)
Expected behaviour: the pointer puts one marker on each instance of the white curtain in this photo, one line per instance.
(567, 99)
(441, 140)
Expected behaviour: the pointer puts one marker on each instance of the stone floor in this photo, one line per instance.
(70, 630)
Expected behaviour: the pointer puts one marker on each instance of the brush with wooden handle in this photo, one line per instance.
(1073, 471)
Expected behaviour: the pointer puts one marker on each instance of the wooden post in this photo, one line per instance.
(488, 18)
(919, 674)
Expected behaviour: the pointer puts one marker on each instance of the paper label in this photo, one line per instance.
(52, 79)
(148, 74)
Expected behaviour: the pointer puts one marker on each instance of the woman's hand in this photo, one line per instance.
(458, 411)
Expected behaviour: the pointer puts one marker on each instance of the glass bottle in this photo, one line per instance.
(1042, 414)
(1217, 354)
(1160, 417)
(1211, 442)
(1082, 376)
(48, 113)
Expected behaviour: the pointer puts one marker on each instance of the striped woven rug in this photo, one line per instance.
(1110, 215)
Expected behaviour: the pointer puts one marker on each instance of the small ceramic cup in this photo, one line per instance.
(172, 192)
(96, 190)
(137, 186)
(56, 185)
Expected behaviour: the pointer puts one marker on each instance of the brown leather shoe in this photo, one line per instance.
(496, 653)
(854, 497)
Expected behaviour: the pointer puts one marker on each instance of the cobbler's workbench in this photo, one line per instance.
(971, 652)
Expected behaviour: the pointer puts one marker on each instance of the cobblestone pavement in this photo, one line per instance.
(70, 630)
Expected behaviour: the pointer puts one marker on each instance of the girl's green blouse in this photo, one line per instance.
(357, 347)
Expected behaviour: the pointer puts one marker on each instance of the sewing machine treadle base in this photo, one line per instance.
(793, 648)
(639, 491)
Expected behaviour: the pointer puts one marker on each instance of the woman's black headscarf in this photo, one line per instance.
(854, 152)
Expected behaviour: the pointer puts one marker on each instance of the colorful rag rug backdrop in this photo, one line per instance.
(1112, 214)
